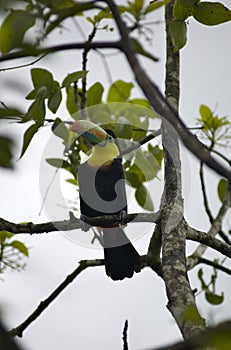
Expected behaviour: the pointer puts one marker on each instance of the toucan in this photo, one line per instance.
(102, 192)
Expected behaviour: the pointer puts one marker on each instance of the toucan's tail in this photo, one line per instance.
(121, 258)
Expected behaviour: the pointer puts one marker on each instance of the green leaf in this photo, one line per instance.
(36, 111)
(60, 130)
(14, 28)
(6, 113)
(213, 298)
(42, 77)
(70, 101)
(200, 276)
(4, 235)
(141, 102)
(205, 113)
(147, 164)
(221, 189)
(143, 198)
(139, 49)
(20, 247)
(55, 162)
(178, 33)
(94, 94)
(55, 98)
(182, 9)
(73, 77)
(29, 134)
(211, 13)
(119, 91)
(6, 154)
(154, 5)
(72, 181)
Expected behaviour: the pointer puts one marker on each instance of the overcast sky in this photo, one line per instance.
(91, 312)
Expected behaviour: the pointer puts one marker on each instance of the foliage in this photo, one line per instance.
(215, 128)
(205, 12)
(210, 289)
(12, 252)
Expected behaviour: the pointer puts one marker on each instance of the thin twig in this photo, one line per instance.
(125, 335)
(83, 264)
(215, 265)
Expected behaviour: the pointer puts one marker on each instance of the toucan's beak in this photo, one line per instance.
(90, 131)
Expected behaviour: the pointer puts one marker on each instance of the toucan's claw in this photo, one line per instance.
(122, 217)
(84, 226)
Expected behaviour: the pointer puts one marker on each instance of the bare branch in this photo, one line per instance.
(215, 265)
(125, 336)
(214, 229)
(83, 264)
(62, 47)
(209, 241)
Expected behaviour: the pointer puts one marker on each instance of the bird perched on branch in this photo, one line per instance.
(102, 192)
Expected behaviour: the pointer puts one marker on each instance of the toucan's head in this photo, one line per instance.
(91, 132)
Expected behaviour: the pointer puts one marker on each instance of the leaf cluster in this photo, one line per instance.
(204, 12)
(12, 252)
(210, 288)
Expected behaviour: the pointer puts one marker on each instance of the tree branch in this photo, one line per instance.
(158, 101)
(214, 229)
(34, 52)
(215, 265)
(209, 241)
(74, 223)
(83, 264)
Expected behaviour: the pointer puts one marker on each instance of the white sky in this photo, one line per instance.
(91, 312)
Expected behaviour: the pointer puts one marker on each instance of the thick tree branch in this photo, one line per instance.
(74, 223)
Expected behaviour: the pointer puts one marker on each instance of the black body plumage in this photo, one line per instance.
(102, 192)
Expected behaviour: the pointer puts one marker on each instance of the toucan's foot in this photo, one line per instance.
(122, 217)
(84, 226)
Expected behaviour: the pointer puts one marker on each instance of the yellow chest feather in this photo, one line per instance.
(103, 155)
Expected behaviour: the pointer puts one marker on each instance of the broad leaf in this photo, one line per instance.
(6, 154)
(4, 235)
(213, 298)
(60, 130)
(29, 134)
(178, 33)
(119, 91)
(73, 77)
(154, 5)
(221, 189)
(42, 77)
(20, 247)
(182, 9)
(94, 94)
(55, 98)
(70, 101)
(143, 198)
(57, 162)
(211, 13)
(14, 28)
